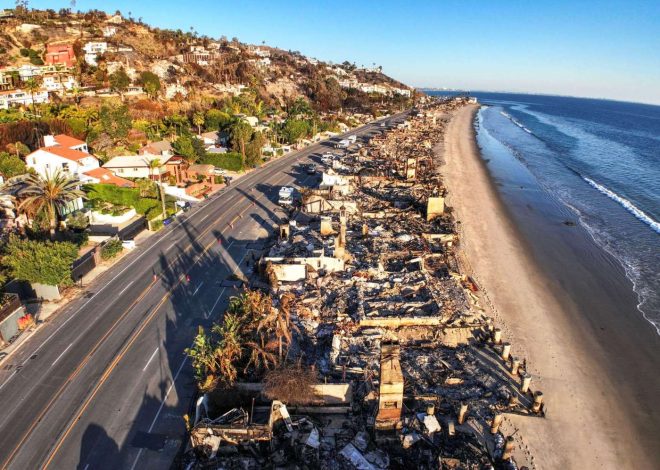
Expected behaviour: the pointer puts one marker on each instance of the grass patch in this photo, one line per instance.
(123, 198)
(229, 161)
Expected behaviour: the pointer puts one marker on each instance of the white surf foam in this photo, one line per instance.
(629, 206)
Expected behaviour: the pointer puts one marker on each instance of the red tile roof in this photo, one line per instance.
(105, 176)
(67, 153)
(68, 141)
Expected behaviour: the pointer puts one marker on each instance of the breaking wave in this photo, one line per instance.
(517, 123)
(629, 206)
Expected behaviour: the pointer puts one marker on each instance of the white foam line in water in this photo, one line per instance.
(629, 206)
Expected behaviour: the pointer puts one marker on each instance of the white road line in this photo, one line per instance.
(124, 289)
(13, 374)
(167, 394)
(136, 459)
(238, 265)
(222, 292)
(169, 247)
(153, 354)
(198, 287)
(160, 408)
(62, 354)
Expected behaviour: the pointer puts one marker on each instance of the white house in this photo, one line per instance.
(137, 166)
(59, 83)
(27, 72)
(64, 154)
(13, 98)
(71, 157)
(94, 49)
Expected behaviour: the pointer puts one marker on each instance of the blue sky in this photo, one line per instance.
(582, 48)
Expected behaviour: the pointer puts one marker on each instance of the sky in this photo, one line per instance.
(600, 49)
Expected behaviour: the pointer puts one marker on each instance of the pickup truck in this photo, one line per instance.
(285, 196)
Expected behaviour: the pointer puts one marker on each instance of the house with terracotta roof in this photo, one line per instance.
(70, 156)
(104, 176)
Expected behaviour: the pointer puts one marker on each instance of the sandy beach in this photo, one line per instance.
(595, 413)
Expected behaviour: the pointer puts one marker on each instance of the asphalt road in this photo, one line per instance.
(105, 383)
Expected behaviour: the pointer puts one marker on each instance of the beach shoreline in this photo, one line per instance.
(591, 421)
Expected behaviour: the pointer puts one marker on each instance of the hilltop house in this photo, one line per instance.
(93, 50)
(60, 54)
(59, 82)
(13, 98)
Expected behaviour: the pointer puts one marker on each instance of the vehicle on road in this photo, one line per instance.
(343, 144)
(285, 196)
(352, 138)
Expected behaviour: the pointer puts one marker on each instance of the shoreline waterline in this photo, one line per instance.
(583, 355)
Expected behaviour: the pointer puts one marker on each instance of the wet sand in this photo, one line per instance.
(567, 308)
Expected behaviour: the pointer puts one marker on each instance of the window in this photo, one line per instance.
(65, 167)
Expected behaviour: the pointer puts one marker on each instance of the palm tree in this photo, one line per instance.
(32, 85)
(51, 194)
(198, 120)
(153, 165)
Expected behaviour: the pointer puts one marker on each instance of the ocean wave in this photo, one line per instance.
(629, 206)
(516, 122)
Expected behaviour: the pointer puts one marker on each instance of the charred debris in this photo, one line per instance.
(402, 368)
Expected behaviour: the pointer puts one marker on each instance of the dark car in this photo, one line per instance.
(311, 169)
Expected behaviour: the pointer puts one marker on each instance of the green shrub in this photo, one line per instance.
(43, 262)
(77, 221)
(123, 198)
(229, 161)
(156, 225)
(111, 249)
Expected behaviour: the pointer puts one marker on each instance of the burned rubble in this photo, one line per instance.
(409, 370)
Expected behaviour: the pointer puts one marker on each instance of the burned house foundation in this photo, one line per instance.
(410, 371)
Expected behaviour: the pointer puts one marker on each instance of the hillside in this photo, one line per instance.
(67, 66)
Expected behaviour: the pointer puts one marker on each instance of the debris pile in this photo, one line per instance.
(411, 372)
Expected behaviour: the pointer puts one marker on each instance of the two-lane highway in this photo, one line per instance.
(105, 383)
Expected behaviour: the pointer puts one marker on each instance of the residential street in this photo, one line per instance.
(105, 383)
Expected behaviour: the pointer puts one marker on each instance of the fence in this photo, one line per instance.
(10, 312)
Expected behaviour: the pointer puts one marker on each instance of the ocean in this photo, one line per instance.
(597, 165)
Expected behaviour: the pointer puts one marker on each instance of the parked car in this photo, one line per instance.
(311, 169)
